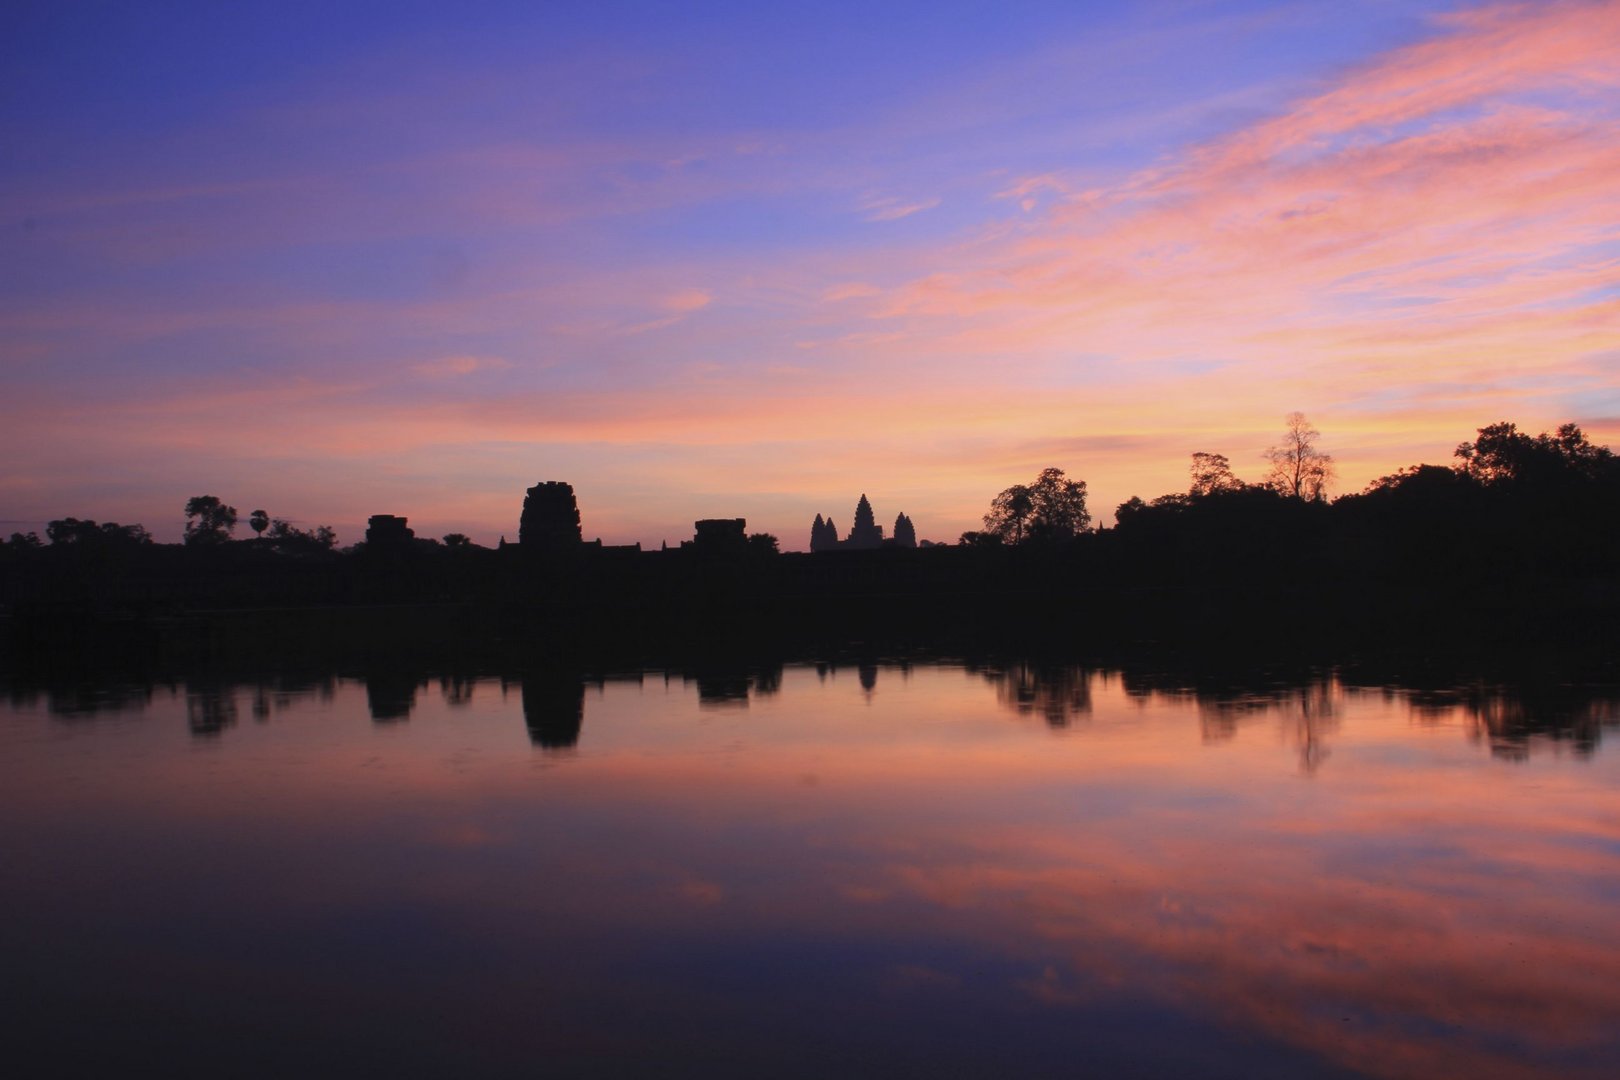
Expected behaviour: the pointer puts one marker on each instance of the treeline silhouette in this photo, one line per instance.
(1518, 541)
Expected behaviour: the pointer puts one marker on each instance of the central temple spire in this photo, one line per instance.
(866, 532)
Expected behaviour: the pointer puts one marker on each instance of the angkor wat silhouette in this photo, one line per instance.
(864, 535)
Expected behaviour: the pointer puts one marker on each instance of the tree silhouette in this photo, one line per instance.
(1052, 508)
(70, 531)
(73, 532)
(125, 534)
(977, 539)
(288, 537)
(457, 540)
(258, 521)
(1298, 468)
(1503, 454)
(1211, 474)
(1130, 509)
(208, 520)
(1010, 514)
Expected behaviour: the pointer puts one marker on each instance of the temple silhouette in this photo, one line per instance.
(550, 523)
(388, 531)
(550, 517)
(865, 535)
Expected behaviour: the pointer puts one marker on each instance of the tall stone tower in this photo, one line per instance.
(823, 535)
(550, 517)
(905, 533)
(866, 532)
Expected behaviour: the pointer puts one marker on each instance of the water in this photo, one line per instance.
(868, 870)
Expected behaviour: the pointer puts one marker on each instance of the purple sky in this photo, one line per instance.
(337, 260)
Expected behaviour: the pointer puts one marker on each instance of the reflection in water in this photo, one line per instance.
(213, 710)
(1508, 718)
(1306, 704)
(1058, 693)
(732, 685)
(391, 694)
(77, 700)
(1316, 717)
(722, 687)
(553, 709)
(210, 709)
(1509, 721)
(457, 689)
(950, 892)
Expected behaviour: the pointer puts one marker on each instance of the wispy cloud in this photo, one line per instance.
(455, 367)
(685, 301)
(850, 290)
(890, 208)
(1436, 199)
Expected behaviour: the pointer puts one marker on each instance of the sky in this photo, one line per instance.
(754, 260)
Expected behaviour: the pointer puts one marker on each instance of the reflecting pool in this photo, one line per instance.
(872, 869)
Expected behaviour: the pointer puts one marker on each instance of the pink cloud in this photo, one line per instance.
(1437, 219)
(452, 367)
(684, 301)
(850, 290)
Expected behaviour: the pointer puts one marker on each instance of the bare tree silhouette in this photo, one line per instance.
(1298, 468)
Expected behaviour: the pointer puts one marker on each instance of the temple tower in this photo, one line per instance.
(385, 531)
(866, 532)
(550, 517)
(905, 533)
(823, 535)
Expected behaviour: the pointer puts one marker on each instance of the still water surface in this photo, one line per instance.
(877, 870)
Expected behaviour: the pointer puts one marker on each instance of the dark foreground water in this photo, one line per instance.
(923, 870)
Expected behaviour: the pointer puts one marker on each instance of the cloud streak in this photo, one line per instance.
(888, 208)
(1442, 216)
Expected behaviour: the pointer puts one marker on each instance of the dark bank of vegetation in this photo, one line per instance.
(1516, 544)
